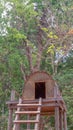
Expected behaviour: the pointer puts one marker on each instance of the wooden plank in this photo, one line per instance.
(50, 105)
(27, 112)
(37, 105)
(25, 121)
(28, 105)
(57, 118)
(36, 100)
(50, 99)
(44, 113)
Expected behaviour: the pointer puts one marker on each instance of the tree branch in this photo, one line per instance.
(23, 71)
(29, 56)
(40, 50)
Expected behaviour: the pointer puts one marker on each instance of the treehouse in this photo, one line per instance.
(40, 96)
(39, 84)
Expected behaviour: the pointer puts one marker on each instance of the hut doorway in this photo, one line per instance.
(40, 90)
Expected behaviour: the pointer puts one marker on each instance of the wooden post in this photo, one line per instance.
(61, 120)
(10, 119)
(11, 111)
(12, 95)
(57, 118)
(65, 121)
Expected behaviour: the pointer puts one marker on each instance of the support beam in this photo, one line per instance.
(57, 124)
(11, 111)
(12, 95)
(65, 121)
(61, 120)
(10, 119)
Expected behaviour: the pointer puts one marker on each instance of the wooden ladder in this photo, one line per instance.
(27, 109)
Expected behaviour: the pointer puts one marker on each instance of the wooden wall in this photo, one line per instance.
(29, 88)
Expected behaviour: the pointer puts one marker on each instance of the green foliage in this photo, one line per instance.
(15, 34)
(51, 49)
(52, 35)
(45, 29)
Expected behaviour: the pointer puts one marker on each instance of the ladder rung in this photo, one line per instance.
(26, 121)
(27, 112)
(28, 105)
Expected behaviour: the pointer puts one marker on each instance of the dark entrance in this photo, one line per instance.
(39, 90)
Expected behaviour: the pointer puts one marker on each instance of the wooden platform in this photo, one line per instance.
(51, 106)
(48, 105)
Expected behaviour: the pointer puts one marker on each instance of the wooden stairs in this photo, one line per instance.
(29, 110)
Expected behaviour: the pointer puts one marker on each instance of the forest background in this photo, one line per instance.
(35, 35)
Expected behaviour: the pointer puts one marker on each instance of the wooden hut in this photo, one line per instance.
(40, 96)
(39, 84)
